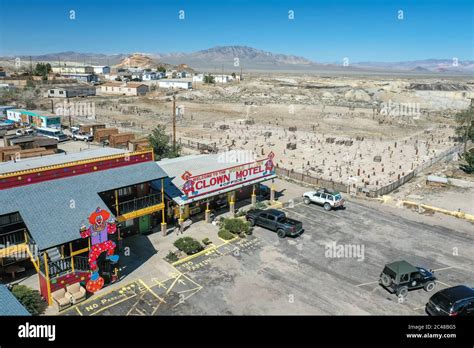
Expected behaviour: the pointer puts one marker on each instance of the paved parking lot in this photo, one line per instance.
(263, 274)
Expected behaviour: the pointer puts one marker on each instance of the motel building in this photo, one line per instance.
(46, 203)
(198, 184)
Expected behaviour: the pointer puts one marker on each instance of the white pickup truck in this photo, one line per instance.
(82, 136)
(329, 200)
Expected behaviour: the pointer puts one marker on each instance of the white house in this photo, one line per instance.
(101, 69)
(120, 88)
(176, 84)
(151, 75)
(198, 78)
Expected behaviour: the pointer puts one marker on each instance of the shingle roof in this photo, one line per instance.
(53, 211)
(9, 304)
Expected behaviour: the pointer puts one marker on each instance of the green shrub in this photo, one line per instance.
(260, 205)
(206, 241)
(188, 245)
(237, 226)
(225, 234)
(30, 299)
(171, 257)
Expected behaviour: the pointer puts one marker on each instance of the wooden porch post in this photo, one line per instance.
(48, 284)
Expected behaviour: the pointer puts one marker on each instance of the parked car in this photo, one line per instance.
(82, 136)
(399, 277)
(329, 200)
(457, 300)
(27, 131)
(276, 221)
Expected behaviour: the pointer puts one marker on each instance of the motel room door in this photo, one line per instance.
(144, 223)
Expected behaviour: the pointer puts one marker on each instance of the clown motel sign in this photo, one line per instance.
(197, 185)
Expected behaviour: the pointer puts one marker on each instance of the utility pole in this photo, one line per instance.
(174, 122)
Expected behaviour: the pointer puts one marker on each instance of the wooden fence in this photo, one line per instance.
(311, 180)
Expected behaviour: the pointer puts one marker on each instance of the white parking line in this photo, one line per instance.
(443, 283)
(368, 283)
(442, 269)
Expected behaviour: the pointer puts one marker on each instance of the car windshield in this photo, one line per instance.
(338, 197)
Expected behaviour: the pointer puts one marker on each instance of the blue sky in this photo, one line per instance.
(322, 30)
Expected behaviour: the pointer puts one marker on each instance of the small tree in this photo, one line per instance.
(209, 79)
(161, 68)
(233, 75)
(469, 158)
(161, 144)
(465, 129)
(30, 299)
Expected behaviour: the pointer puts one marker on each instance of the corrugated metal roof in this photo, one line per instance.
(9, 304)
(61, 158)
(54, 210)
(197, 165)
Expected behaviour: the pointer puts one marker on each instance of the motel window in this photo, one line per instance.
(61, 92)
(126, 191)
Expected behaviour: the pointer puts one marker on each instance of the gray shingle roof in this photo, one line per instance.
(9, 304)
(54, 210)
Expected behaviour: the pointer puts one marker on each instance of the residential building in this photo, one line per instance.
(80, 77)
(73, 69)
(34, 118)
(101, 69)
(176, 84)
(71, 92)
(121, 88)
(151, 75)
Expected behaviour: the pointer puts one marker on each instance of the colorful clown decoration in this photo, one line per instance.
(269, 166)
(188, 186)
(100, 227)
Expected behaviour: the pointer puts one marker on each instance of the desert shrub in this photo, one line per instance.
(206, 241)
(188, 245)
(236, 226)
(260, 205)
(30, 299)
(171, 257)
(225, 234)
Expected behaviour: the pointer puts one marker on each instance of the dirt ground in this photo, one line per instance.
(363, 131)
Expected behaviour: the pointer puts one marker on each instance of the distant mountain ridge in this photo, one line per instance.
(233, 58)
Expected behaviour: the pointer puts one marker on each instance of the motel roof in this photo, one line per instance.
(9, 304)
(54, 210)
(60, 158)
(196, 165)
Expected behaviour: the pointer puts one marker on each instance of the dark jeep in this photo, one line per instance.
(399, 277)
(275, 220)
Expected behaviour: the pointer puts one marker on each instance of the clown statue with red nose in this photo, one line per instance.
(100, 227)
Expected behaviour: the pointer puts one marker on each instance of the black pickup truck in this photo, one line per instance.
(276, 221)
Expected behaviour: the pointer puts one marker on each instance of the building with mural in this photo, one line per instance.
(45, 202)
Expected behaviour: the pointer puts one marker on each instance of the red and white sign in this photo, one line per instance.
(202, 184)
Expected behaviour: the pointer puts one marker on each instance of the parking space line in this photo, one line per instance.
(78, 311)
(150, 290)
(447, 285)
(444, 268)
(374, 282)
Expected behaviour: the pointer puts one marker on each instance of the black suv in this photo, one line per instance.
(275, 220)
(399, 277)
(457, 300)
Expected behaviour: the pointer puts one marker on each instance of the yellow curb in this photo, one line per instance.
(458, 214)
